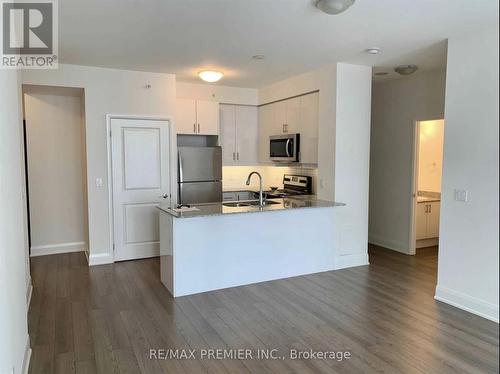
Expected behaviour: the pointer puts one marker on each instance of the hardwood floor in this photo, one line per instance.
(105, 319)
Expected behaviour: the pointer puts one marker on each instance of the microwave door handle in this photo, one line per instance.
(287, 146)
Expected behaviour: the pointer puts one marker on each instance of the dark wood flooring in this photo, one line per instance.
(105, 319)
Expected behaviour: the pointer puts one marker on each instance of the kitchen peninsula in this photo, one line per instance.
(224, 245)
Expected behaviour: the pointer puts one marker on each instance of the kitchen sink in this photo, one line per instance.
(267, 202)
(238, 204)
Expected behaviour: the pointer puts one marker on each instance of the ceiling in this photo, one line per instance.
(185, 36)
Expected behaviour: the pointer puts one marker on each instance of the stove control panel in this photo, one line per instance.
(298, 182)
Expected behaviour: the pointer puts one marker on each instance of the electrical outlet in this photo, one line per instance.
(98, 182)
(461, 195)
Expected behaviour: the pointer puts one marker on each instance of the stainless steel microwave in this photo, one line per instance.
(284, 148)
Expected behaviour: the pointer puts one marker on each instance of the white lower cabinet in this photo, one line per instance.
(239, 134)
(427, 225)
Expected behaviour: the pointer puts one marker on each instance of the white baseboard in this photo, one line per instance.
(52, 249)
(349, 261)
(467, 303)
(27, 356)
(422, 243)
(389, 244)
(100, 259)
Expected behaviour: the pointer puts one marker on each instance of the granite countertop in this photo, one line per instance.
(427, 199)
(217, 209)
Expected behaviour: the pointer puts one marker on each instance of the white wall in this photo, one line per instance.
(468, 246)
(430, 155)
(107, 91)
(396, 106)
(352, 159)
(222, 94)
(14, 340)
(57, 182)
(344, 133)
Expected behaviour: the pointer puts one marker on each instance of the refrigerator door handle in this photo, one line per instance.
(181, 179)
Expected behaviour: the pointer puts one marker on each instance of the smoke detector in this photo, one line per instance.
(334, 6)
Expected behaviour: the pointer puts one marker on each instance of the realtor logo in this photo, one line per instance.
(29, 34)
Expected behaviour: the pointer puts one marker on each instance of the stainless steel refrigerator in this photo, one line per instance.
(200, 175)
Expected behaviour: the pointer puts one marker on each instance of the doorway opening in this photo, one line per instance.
(427, 173)
(56, 169)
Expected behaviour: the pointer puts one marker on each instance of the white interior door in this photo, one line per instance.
(141, 177)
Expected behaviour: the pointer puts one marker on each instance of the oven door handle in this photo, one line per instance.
(286, 147)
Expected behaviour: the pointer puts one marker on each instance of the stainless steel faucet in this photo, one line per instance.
(261, 194)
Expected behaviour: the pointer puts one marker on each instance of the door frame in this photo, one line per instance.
(172, 154)
(412, 247)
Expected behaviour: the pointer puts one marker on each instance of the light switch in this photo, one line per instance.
(98, 182)
(461, 195)
(322, 183)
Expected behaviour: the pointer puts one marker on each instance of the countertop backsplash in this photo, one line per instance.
(234, 177)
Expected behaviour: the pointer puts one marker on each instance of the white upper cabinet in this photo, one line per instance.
(293, 117)
(228, 133)
(185, 119)
(239, 134)
(200, 117)
(247, 132)
(279, 118)
(207, 116)
(309, 121)
(266, 122)
(298, 115)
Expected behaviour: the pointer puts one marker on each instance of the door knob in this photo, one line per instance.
(165, 195)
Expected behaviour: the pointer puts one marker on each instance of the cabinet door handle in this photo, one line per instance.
(234, 156)
(238, 156)
(198, 128)
(430, 208)
(194, 128)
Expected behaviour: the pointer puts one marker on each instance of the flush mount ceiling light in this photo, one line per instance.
(210, 76)
(373, 50)
(406, 69)
(334, 6)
